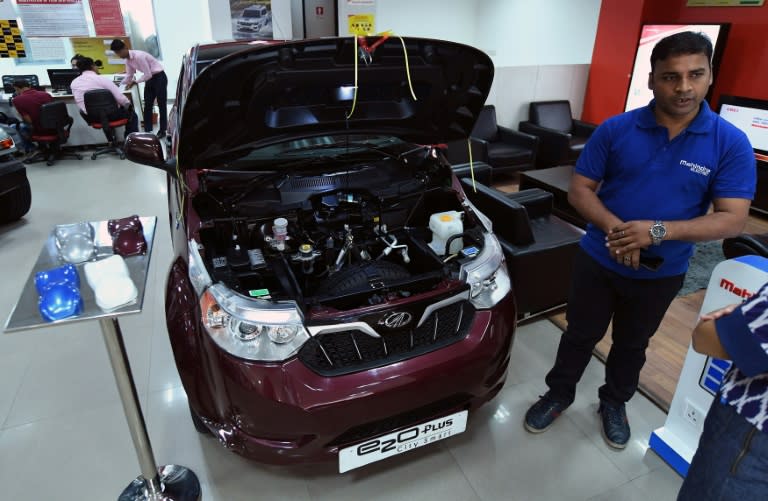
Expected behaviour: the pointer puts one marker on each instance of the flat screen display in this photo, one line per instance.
(751, 116)
(639, 94)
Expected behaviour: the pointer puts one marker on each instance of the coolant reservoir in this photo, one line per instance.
(444, 225)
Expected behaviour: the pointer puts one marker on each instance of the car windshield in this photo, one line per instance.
(316, 150)
(252, 13)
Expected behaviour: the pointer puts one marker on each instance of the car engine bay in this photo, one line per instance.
(356, 237)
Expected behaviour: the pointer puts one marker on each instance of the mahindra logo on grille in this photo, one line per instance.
(396, 320)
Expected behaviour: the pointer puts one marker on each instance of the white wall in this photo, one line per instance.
(541, 48)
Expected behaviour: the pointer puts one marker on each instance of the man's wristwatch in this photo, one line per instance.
(658, 231)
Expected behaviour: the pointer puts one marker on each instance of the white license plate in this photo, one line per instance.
(398, 442)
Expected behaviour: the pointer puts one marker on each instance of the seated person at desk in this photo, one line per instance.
(89, 79)
(27, 103)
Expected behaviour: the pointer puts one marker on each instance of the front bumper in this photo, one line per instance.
(285, 413)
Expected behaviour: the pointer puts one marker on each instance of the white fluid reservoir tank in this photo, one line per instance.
(443, 226)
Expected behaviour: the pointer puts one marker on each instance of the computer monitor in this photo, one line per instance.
(751, 116)
(9, 79)
(61, 79)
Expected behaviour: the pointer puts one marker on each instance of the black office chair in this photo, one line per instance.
(55, 123)
(100, 104)
(507, 150)
(8, 80)
(562, 137)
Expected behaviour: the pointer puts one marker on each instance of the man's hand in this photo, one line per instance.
(631, 258)
(629, 236)
(721, 312)
(129, 85)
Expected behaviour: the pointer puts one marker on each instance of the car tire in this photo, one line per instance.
(16, 203)
(357, 276)
(198, 423)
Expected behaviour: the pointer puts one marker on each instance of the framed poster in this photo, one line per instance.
(638, 93)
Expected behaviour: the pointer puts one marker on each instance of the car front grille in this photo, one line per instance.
(348, 351)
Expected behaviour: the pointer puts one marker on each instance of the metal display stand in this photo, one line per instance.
(169, 482)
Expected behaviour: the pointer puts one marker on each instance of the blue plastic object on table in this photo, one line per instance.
(59, 290)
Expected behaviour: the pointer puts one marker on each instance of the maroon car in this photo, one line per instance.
(334, 295)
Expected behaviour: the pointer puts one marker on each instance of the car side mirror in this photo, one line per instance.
(145, 148)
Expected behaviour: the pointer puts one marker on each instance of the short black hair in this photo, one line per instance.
(84, 63)
(117, 45)
(21, 83)
(76, 57)
(686, 42)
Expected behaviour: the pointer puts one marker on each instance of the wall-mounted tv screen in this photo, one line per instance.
(751, 116)
(639, 94)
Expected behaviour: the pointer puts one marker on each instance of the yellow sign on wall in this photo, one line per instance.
(725, 3)
(360, 24)
(97, 48)
(11, 44)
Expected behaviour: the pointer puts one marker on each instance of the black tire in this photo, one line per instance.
(198, 423)
(358, 276)
(78, 156)
(16, 203)
(93, 157)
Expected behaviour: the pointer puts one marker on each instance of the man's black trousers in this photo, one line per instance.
(597, 296)
(156, 88)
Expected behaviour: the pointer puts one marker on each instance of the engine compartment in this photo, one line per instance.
(355, 237)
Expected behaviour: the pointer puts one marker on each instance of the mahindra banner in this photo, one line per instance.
(251, 19)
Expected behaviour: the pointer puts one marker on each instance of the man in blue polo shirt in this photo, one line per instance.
(731, 461)
(645, 182)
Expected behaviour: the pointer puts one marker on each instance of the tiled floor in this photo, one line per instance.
(63, 435)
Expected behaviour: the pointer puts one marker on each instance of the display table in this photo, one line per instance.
(169, 482)
(555, 180)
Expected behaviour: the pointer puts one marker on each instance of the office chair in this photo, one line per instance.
(100, 104)
(506, 150)
(8, 80)
(55, 123)
(562, 137)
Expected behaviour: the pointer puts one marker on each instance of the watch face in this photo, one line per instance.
(658, 230)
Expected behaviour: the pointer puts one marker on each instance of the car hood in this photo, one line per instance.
(288, 90)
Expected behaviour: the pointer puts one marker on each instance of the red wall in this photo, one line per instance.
(743, 68)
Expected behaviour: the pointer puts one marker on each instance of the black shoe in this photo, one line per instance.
(542, 414)
(614, 424)
(161, 134)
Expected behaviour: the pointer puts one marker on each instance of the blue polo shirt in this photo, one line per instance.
(644, 175)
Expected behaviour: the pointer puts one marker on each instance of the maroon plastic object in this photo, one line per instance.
(127, 236)
(126, 223)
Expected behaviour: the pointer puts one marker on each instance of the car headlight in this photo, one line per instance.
(487, 275)
(198, 275)
(268, 332)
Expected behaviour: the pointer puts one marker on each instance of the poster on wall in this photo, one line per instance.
(11, 44)
(360, 24)
(53, 18)
(6, 10)
(639, 94)
(251, 19)
(107, 18)
(98, 49)
(47, 50)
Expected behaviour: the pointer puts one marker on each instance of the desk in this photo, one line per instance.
(81, 133)
(169, 482)
(555, 180)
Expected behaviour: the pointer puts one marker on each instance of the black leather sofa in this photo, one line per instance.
(562, 137)
(538, 246)
(746, 244)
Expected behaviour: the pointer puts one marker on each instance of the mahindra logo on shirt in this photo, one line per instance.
(731, 287)
(696, 168)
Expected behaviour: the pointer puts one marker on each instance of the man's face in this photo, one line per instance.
(679, 84)
(122, 53)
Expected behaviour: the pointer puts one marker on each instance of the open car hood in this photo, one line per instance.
(271, 93)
